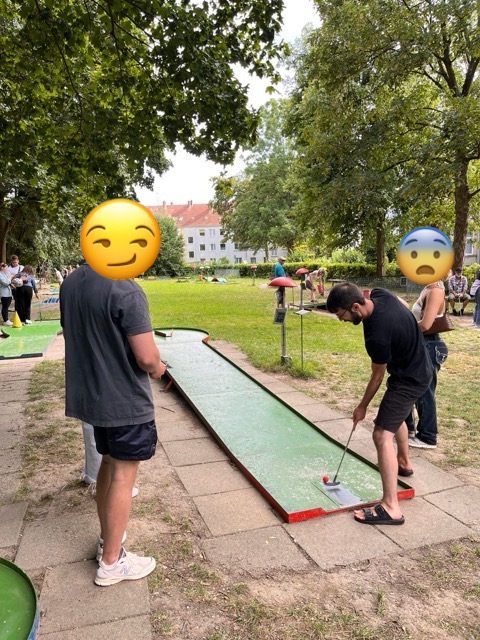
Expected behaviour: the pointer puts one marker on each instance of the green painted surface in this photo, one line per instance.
(18, 603)
(29, 340)
(285, 453)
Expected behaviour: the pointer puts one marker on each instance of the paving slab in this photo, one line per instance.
(299, 401)
(181, 430)
(210, 478)
(339, 540)
(9, 487)
(195, 451)
(463, 503)
(138, 628)
(261, 550)
(10, 461)
(235, 511)
(54, 541)
(70, 600)
(318, 413)
(172, 413)
(425, 524)
(11, 521)
(428, 478)
(276, 386)
(9, 438)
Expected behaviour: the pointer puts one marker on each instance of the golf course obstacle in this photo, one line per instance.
(282, 453)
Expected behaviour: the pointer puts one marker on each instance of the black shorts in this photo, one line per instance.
(308, 284)
(397, 404)
(135, 442)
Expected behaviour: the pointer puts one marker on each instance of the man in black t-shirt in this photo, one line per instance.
(395, 344)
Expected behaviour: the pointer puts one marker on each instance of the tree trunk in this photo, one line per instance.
(380, 246)
(462, 208)
(4, 231)
(266, 254)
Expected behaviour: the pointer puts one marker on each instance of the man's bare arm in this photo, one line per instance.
(147, 354)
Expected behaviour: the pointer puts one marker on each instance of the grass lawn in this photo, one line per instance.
(335, 365)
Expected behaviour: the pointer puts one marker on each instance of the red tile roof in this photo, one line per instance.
(188, 215)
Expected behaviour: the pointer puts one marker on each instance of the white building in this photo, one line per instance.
(203, 238)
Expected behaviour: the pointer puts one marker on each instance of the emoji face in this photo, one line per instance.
(425, 255)
(120, 239)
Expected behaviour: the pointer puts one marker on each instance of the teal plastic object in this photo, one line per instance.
(18, 604)
(283, 454)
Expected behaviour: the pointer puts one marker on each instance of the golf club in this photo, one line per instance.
(334, 483)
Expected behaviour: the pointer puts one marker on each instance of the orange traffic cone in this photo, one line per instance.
(16, 321)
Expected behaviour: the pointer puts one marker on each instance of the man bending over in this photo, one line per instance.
(395, 343)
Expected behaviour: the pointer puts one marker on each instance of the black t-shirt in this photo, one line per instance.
(103, 383)
(392, 337)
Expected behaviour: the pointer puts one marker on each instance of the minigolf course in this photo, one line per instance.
(28, 341)
(283, 454)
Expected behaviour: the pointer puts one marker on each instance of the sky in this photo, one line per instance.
(189, 177)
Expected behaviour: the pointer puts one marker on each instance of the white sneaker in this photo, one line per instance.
(8, 323)
(28, 322)
(419, 444)
(100, 545)
(129, 566)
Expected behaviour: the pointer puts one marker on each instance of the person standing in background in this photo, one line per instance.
(429, 305)
(24, 295)
(14, 269)
(5, 293)
(474, 294)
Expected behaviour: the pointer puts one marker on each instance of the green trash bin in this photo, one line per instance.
(18, 604)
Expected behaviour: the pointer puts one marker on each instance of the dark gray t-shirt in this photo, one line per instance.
(392, 337)
(103, 383)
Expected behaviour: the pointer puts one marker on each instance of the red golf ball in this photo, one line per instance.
(325, 478)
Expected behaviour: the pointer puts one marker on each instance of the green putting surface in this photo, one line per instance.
(283, 453)
(18, 604)
(31, 340)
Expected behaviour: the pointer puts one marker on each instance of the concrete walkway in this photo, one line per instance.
(241, 529)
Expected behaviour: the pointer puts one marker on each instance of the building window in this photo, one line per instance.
(222, 246)
(201, 232)
(237, 246)
(213, 247)
(253, 260)
(211, 232)
(238, 260)
(202, 247)
(190, 240)
(191, 254)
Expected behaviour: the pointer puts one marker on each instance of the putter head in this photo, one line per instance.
(332, 483)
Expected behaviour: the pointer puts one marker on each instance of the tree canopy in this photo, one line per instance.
(386, 117)
(256, 207)
(93, 94)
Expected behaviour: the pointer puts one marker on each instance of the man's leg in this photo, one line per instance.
(115, 481)
(403, 457)
(388, 465)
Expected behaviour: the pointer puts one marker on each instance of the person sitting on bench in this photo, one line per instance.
(457, 291)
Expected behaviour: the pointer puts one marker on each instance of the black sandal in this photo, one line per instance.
(378, 515)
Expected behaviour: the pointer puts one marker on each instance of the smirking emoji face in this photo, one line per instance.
(425, 255)
(120, 239)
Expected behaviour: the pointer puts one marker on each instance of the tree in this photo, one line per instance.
(92, 94)
(169, 261)
(256, 206)
(398, 84)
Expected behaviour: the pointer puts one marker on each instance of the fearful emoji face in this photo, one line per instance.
(425, 255)
(120, 239)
